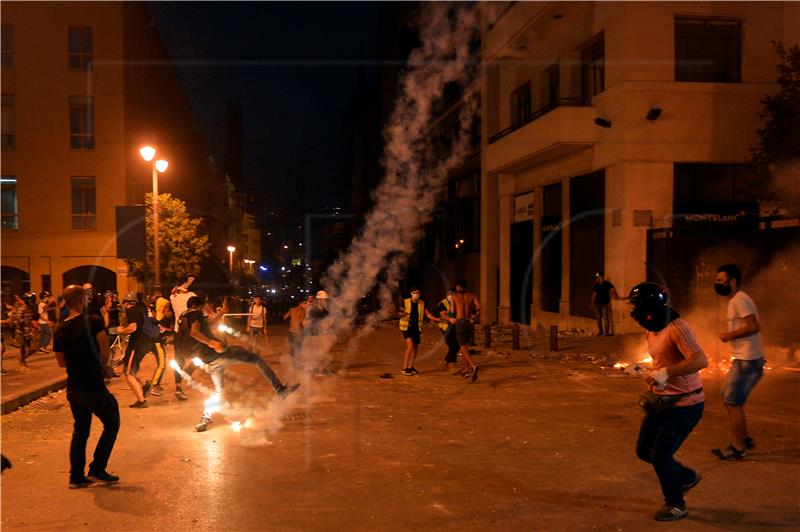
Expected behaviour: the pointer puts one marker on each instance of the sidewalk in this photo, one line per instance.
(21, 387)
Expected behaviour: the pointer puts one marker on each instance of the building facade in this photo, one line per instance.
(596, 132)
(85, 85)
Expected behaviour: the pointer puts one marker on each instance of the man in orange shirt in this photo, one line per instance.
(674, 404)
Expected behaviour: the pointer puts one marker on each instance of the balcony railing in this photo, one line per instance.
(563, 102)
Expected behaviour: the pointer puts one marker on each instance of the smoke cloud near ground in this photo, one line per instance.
(415, 174)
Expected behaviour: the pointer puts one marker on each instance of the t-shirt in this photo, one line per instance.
(136, 315)
(178, 302)
(602, 293)
(77, 339)
(750, 347)
(673, 344)
(42, 312)
(206, 353)
(256, 318)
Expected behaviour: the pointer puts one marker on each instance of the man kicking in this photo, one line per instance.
(217, 356)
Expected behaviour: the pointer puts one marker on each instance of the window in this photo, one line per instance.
(83, 203)
(708, 50)
(551, 87)
(521, 104)
(7, 121)
(80, 47)
(81, 122)
(593, 76)
(8, 208)
(7, 45)
(717, 189)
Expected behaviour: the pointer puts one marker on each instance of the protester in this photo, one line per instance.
(216, 356)
(296, 315)
(411, 316)
(602, 293)
(747, 350)
(45, 330)
(139, 344)
(23, 325)
(256, 326)
(674, 403)
(447, 320)
(467, 308)
(81, 346)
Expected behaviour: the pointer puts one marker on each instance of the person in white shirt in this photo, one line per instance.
(178, 298)
(45, 331)
(257, 324)
(747, 366)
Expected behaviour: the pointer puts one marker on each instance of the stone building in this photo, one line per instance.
(605, 122)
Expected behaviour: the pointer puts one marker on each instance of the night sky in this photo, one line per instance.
(293, 67)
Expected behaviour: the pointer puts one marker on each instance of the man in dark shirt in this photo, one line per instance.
(602, 293)
(216, 356)
(81, 346)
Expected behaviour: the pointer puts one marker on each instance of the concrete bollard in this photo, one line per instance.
(515, 336)
(487, 335)
(554, 338)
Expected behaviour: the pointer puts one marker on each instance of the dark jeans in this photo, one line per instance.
(239, 354)
(603, 314)
(452, 344)
(83, 404)
(660, 437)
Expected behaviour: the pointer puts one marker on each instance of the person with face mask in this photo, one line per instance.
(411, 326)
(747, 351)
(674, 402)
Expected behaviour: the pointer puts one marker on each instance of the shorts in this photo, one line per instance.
(414, 336)
(137, 353)
(742, 378)
(464, 331)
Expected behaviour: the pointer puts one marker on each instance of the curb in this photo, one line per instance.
(28, 397)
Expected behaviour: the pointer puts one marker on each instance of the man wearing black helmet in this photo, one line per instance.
(674, 403)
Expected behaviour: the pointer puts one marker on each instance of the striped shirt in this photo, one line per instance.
(673, 344)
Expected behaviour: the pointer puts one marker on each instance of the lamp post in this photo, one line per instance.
(231, 249)
(148, 153)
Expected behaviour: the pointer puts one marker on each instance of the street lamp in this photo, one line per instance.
(148, 153)
(231, 249)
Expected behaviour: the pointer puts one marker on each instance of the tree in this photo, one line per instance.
(777, 155)
(181, 245)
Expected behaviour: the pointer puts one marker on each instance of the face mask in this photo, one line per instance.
(722, 289)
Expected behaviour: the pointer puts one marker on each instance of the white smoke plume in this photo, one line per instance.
(415, 173)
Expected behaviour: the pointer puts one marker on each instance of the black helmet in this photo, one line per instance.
(651, 306)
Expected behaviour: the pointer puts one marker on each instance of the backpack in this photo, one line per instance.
(150, 327)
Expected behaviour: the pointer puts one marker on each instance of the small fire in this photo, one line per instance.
(621, 365)
(646, 360)
(236, 426)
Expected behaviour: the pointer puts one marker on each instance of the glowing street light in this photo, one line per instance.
(231, 249)
(148, 153)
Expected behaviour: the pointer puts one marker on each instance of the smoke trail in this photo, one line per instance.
(415, 173)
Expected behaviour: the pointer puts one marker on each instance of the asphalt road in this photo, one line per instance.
(543, 442)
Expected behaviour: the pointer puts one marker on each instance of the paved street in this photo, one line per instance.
(543, 441)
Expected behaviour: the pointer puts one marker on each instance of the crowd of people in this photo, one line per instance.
(88, 326)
